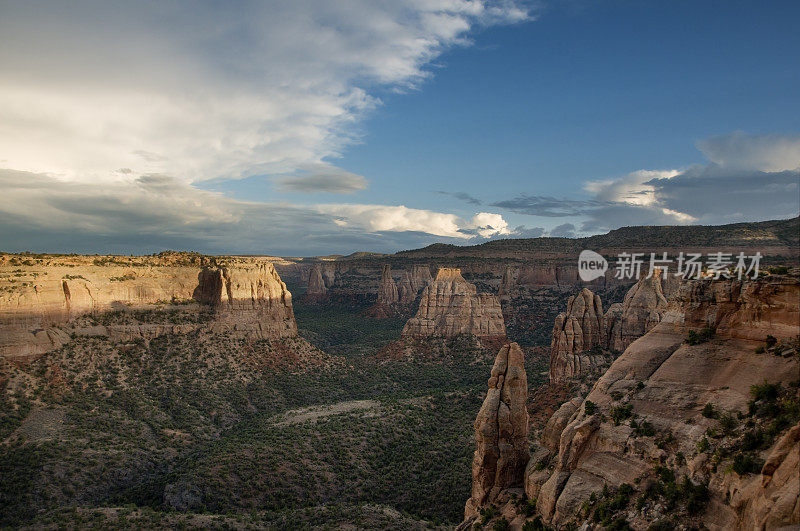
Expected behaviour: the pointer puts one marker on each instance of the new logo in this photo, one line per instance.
(591, 265)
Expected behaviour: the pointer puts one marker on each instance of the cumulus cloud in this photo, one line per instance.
(323, 178)
(747, 178)
(386, 218)
(767, 153)
(207, 90)
(153, 212)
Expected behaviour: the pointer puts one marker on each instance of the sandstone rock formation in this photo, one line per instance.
(507, 283)
(413, 282)
(584, 336)
(501, 431)
(643, 307)
(578, 337)
(451, 306)
(249, 300)
(387, 290)
(45, 300)
(316, 284)
(665, 381)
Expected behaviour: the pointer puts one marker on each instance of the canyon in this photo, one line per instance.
(670, 407)
(610, 402)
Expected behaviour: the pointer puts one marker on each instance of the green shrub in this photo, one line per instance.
(620, 413)
(535, 525)
(771, 341)
(765, 391)
(746, 464)
(589, 407)
(703, 445)
(645, 429)
(501, 525)
(709, 412)
(727, 423)
(695, 338)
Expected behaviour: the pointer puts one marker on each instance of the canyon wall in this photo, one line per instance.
(665, 381)
(44, 300)
(696, 421)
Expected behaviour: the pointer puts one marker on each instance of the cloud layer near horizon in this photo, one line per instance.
(154, 212)
(111, 112)
(748, 177)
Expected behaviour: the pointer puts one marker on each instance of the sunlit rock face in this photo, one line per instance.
(501, 431)
(249, 300)
(643, 308)
(450, 306)
(666, 380)
(43, 301)
(387, 289)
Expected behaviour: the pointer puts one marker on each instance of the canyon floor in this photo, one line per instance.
(174, 432)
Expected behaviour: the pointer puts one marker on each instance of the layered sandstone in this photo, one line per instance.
(316, 284)
(249, 300)
(43, 301)
(450, 306)
(665, 381)
(501, 431)
(387, 290)
(578, 338)
(643, 307)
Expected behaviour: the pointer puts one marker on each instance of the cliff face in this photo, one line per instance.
(663, 382)
(577, 336)
(387, 291)
(643, 307)
(249, 300)
(316, 283)
(501, 431)
(584, 337)
(42, 302)
(451, 306)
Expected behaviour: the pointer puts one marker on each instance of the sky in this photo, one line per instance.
(304, 128)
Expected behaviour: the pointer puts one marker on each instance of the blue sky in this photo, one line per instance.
(312, 128)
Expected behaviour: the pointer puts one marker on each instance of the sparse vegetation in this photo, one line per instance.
(620, 413)
(695, 338)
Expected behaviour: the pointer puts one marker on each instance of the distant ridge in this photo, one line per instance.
(776, 233)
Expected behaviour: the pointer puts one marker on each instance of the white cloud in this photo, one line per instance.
(631, 189)
(154, 212)
(203, 90)
(384, 218)
(487, 225)
(748, 178)
(768, 153)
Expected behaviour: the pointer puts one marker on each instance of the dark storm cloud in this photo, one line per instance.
(463, 196)
(546, 206)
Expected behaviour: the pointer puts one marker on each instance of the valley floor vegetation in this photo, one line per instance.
(201, 430)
